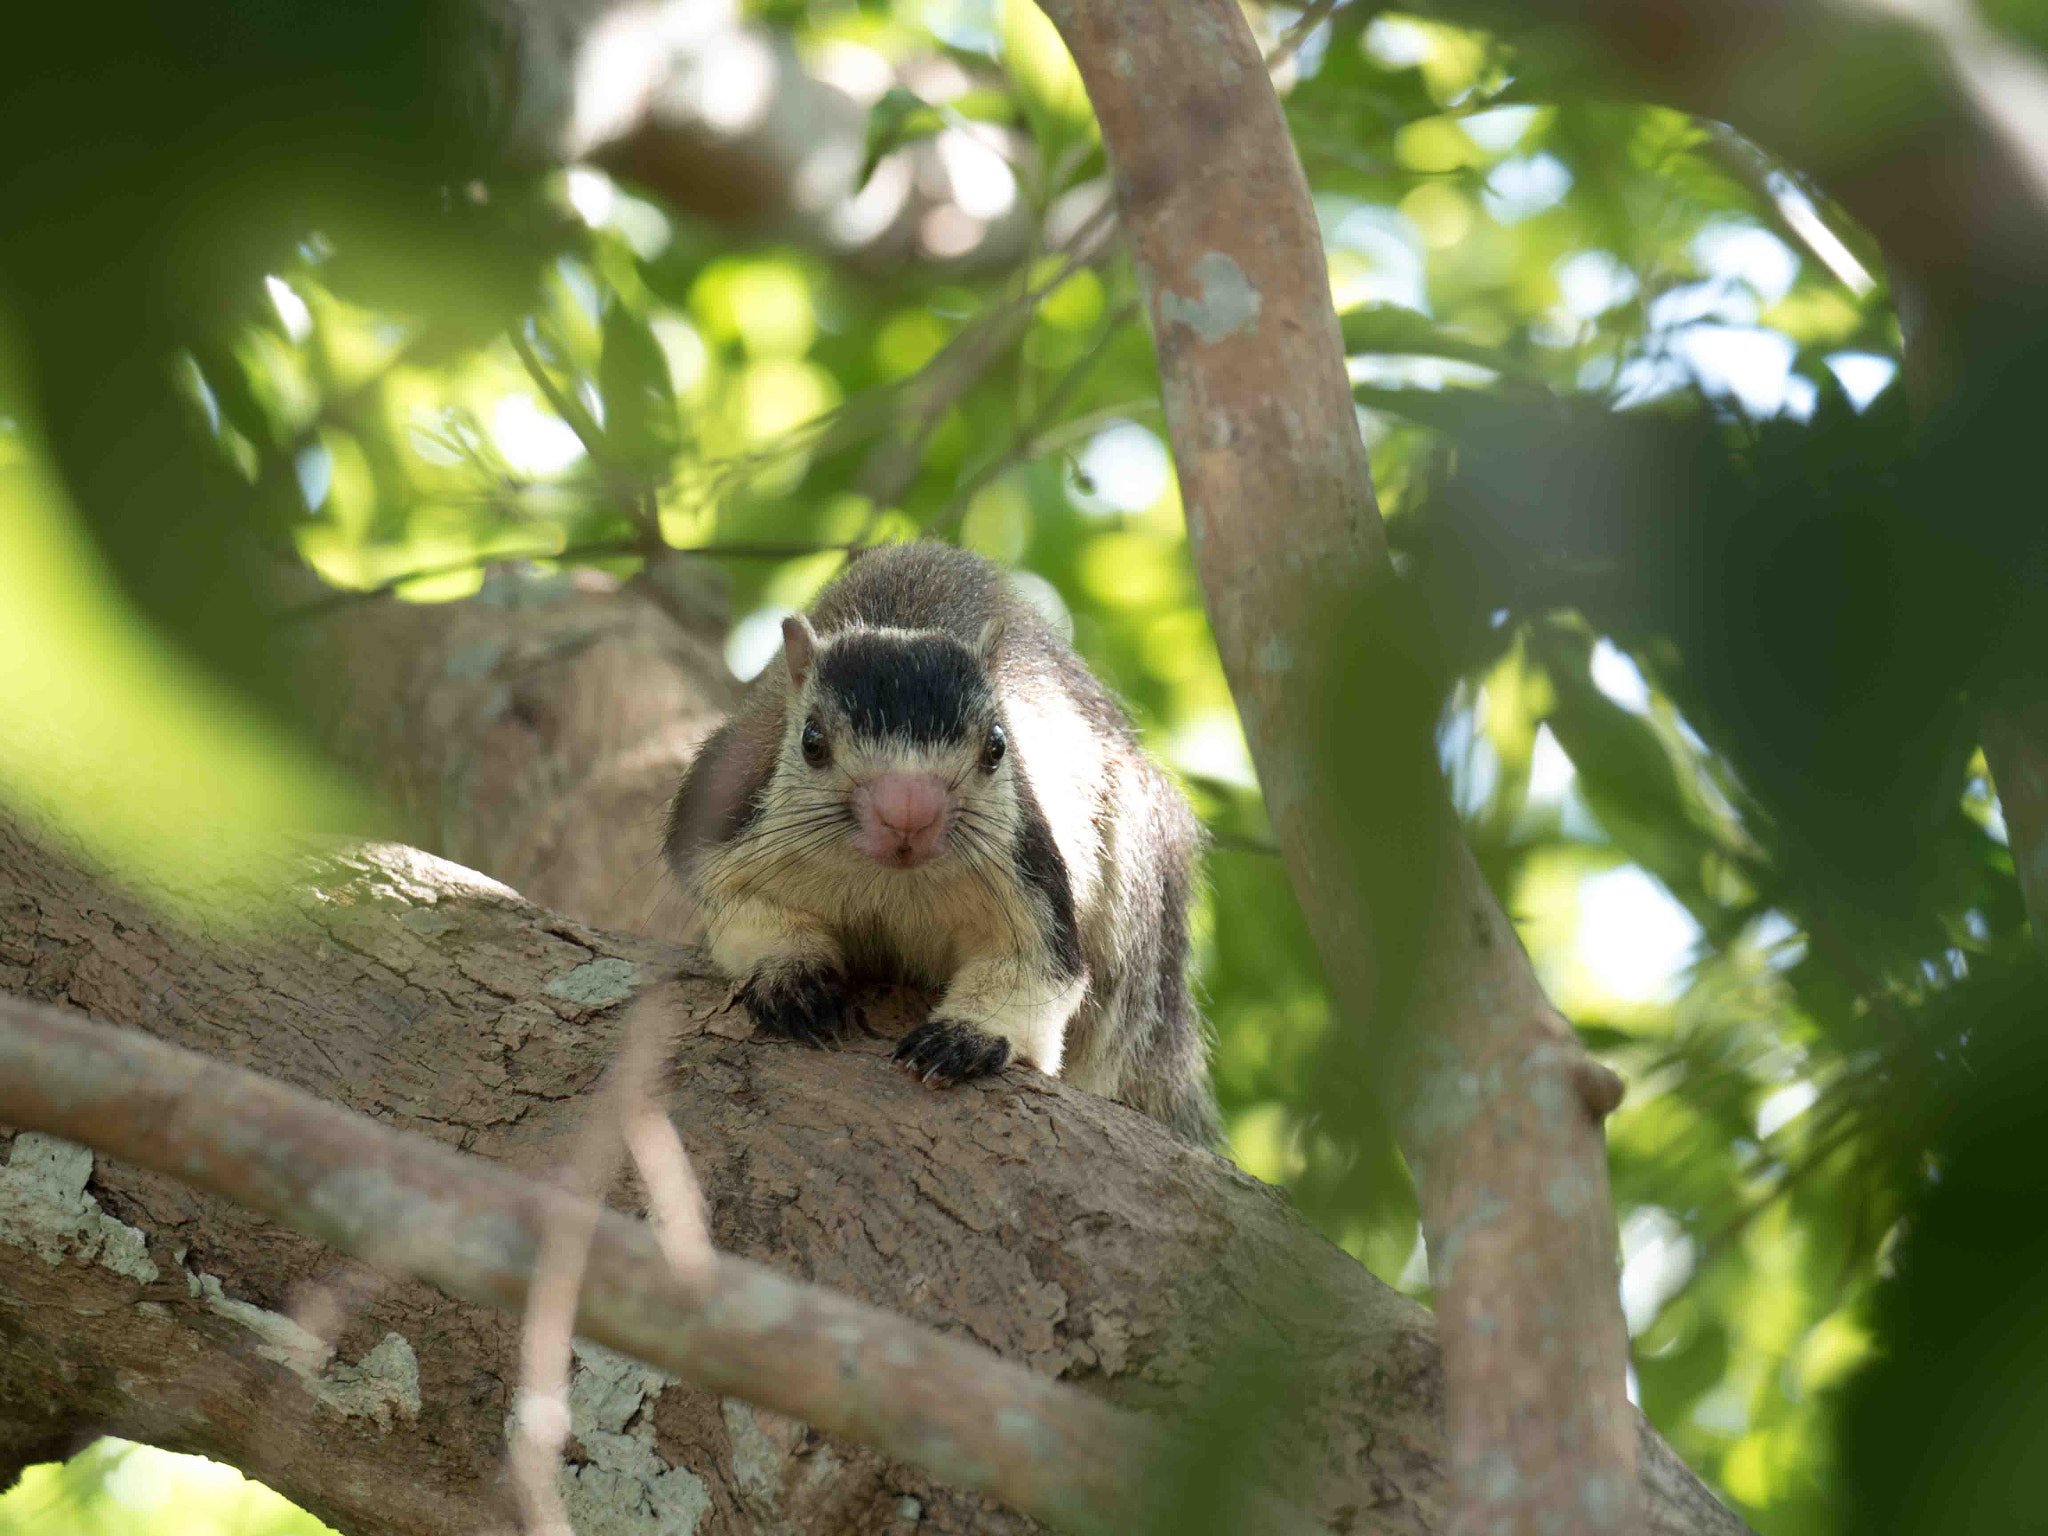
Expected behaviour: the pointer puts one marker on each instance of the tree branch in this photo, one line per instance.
(1068, 1233)
(716, 117)
(1498, 1108)
(475, 1232)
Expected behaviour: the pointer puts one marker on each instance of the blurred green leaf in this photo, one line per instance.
(1731, 637)
(900, 117)
(640, 425)
(1389, 328)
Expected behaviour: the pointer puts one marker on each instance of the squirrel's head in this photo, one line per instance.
(900, 731)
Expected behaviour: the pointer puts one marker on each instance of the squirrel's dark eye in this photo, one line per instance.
(817, 750)
(992, 753)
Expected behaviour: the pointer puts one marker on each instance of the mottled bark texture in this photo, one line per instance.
(1064, 1232)
(479, 1233)
(1499, 1111)
(534, 731)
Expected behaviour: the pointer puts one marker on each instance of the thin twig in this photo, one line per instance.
(890, 476)
(1829, 1144)
(1754, 169)
(675, 1200)
(564, 404)
(599, 549)
(636, 491)
(963, 363)
(541, 1422)
(1291, 41)
(1088, 423)
(624, 1117)
(955, 509)
(1237, 842)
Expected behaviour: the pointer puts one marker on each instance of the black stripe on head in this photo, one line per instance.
(927, 688)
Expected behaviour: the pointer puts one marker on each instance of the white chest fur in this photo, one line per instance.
(918, 924)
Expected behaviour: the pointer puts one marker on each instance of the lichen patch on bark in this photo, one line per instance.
(621, 1485)
(1225, 305)
(383, 1386)
(597, 983)
(44, 1208)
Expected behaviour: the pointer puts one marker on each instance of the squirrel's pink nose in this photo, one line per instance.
(905, 820)
(908, 803)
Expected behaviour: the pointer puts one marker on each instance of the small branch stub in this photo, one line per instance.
(1600, 1088)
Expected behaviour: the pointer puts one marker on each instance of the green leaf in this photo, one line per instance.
(1627, 774)
(1445, 409)
(640, 425)
(1392, 328)
(901, 117)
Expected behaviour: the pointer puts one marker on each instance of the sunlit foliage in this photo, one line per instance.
(118, 1489)
(1523, 275)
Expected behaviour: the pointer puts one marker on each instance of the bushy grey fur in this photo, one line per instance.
(786, 907)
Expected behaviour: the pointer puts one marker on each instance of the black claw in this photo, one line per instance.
(802, 1003)
(945, 1051)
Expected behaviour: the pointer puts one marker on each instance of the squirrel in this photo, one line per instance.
(929, 785)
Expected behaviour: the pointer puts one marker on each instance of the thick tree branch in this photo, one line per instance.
(1069, 1234)
(474, 1231)
(1499, 1109)
(535, 731)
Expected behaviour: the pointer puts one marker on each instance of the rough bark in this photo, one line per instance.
(1497, 1108)
(478, 1233)
(1063, 1231)
(534, 731)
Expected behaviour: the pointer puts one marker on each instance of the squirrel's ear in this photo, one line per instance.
(798, 644)
(991, 640)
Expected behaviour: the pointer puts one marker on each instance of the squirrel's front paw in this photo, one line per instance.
(946, 1051)
(806, 1003)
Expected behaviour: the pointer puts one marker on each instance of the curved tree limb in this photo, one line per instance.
(1067, 1233)
(475, 1231)
(1499, 1109)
